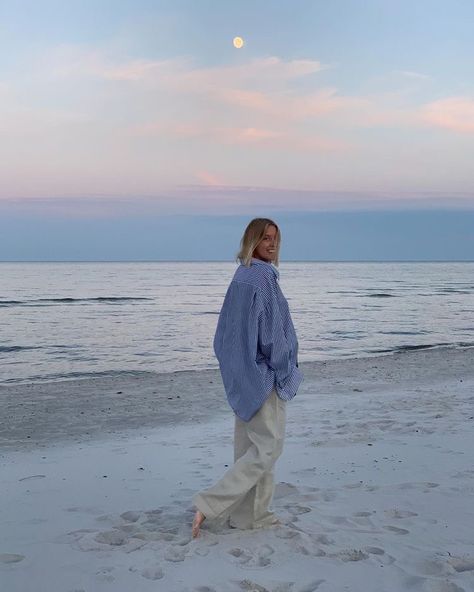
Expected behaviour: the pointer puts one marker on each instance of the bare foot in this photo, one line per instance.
(198, 520)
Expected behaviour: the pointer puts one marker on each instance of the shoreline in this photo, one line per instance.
(42, 413)
(79, 376)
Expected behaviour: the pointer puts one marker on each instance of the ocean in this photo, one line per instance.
(73, 320)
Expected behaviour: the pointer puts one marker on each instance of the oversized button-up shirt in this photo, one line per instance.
(255, 341)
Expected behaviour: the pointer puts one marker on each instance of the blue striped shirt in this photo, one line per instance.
(255, 341)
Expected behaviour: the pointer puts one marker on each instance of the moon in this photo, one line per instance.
(238, 42)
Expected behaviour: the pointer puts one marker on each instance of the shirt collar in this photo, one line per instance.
(272, 267)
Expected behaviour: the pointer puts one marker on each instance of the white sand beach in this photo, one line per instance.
(375, 488)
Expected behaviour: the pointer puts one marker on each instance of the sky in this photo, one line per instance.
(136, 130)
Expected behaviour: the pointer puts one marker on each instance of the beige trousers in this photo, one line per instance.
(244, 493)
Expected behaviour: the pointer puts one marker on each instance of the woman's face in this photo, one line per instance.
(267, 248)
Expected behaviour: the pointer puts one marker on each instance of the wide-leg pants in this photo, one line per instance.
(245, 491)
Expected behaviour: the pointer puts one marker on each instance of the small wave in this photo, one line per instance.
(62, 346)
(76, 376)
(206, 312)
(67, 300)
(407, 348)
(6, 349)
(402, 348)
(466, 344)
(97, 299)
(403, 332)
(346, 333)
(381, 295)
(453, 291)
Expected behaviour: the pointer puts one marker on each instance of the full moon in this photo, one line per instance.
(238, 42)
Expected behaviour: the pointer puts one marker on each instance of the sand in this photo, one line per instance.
(375, 488)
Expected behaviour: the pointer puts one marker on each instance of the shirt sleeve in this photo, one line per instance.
(235, 341)
(272, 342)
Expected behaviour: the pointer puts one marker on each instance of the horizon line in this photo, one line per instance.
(233, 261)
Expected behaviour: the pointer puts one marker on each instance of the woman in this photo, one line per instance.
(257, 348)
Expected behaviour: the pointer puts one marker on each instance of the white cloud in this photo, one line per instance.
(414, 75)
(452, 113)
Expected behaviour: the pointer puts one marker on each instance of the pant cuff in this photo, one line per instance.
(204, 507)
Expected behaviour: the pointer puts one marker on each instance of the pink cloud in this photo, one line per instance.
(182, 73)
(259, 73)
(209, 179)
(414, 75)
(253, 100)
(454, 113)
(289, 141)
(168, 128)
(247, 135)
(325, 101)
(255, 137)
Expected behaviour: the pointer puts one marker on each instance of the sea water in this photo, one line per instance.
(63, 320)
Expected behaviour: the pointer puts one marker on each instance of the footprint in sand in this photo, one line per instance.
(395, 513)
(318, 496)
(297, 510)
(105, 574)
(462, 564)
(111, 537)
(323, 539)
(87, 540)
(241, 555)
(284, 489)
(397, 530)
(249, 586)
(286, 533)
(130, 516)
(362, 519)
(427, 485)
(347, 555)
(340, 521)
(382, 559)
(308, 549)
(259, 557)
(152, 573)
(374, 550)
(431, 567)
(306, 545)
(202, 551)
(11, 558)
(353, 485)
(175, 554)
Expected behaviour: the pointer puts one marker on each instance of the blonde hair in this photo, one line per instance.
(253, 234)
